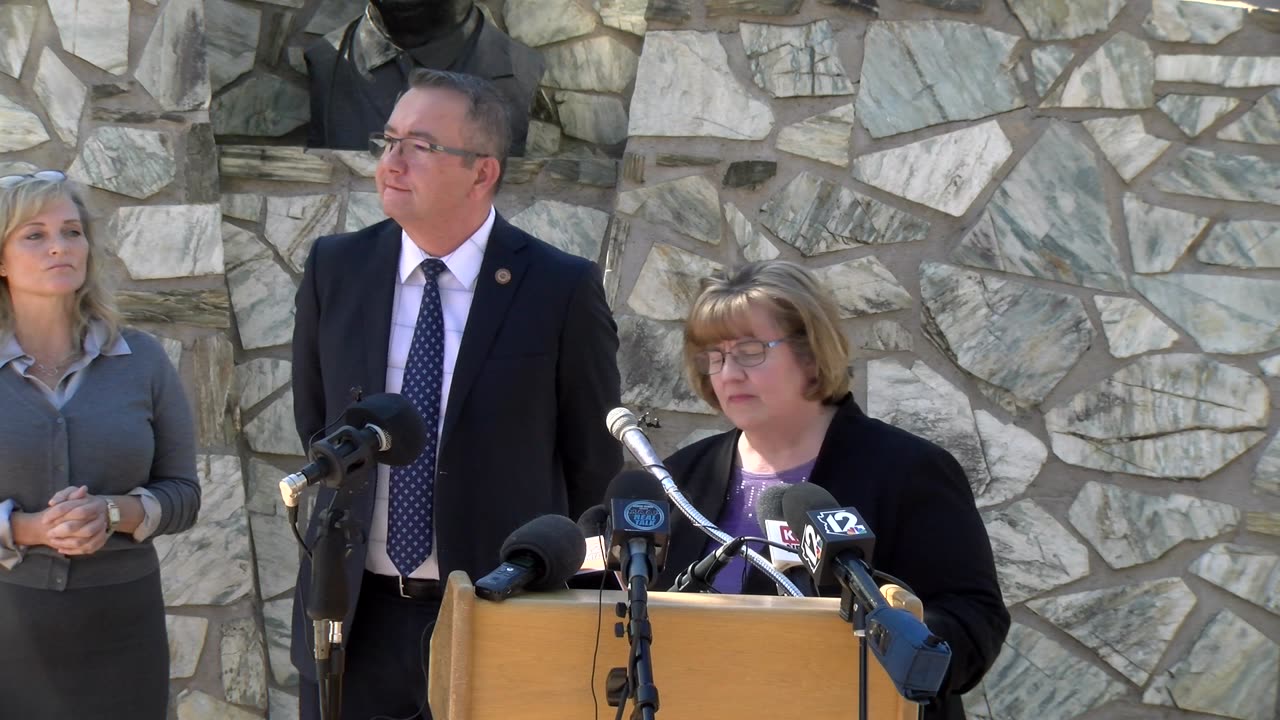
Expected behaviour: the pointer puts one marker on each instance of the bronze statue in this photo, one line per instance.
(355, 79)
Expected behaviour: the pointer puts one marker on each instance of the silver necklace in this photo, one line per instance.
(56, 369)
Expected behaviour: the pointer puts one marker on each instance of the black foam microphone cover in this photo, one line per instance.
(801, 499)
(635, 485)
(398, 418)
(555, 543)
(593, 521)
(769, 507)
(769, 504)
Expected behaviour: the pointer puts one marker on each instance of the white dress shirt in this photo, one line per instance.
(457, 288)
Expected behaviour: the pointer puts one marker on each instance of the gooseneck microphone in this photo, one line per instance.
(700, 575)
(383, 428)
(542, 554)
(836, 546)
(622, 425)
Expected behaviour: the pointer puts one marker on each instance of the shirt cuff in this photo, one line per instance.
(150, 514)
(10, 554)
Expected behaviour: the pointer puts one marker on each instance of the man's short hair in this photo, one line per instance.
(489, 122)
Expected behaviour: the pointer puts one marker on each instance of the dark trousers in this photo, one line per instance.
(386, 659)
(97, 652)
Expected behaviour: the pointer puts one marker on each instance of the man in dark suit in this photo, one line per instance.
(504, 344)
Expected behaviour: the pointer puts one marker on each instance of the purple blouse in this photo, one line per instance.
(738, 517)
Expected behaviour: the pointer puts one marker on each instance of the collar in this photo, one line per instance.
(10, 350)
(463, 263)
(95, 344)
(371, 49)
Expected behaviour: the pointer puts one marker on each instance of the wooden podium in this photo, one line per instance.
(714, 656)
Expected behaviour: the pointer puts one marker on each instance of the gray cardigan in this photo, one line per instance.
(128, 425)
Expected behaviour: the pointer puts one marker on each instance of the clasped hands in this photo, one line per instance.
(75, 523)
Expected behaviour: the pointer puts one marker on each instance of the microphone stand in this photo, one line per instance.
(643, 691)
(328, 608)
(855, 612)
(328, 604)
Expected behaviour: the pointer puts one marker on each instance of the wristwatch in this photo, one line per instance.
(113, 515)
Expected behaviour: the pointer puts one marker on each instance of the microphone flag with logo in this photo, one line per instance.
(825, 530)
(639, 525)
(837, 546)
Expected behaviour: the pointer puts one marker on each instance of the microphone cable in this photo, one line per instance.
(595, 653)
(746, 566)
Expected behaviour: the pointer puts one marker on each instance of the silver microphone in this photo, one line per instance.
(622, 425)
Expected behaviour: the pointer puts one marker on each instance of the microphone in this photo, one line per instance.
(770, 516)
(699, 576)
(383, 428)
(831, 536)
(639, 527)
(623, 425)
(542, 554)
(593, 521)
(835, 546)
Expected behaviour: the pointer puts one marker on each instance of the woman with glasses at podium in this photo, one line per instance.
(764, 348)
(97, 455)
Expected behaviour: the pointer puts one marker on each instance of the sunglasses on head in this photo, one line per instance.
(9, 181)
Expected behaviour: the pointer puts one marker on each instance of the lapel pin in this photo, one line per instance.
(503, 276)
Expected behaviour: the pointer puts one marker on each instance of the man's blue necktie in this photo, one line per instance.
(413, 486)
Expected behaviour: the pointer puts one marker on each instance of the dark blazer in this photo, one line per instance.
(914, 497)
(524, 429)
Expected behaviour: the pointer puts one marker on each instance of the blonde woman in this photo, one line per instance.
(97, 456)
(764, 348)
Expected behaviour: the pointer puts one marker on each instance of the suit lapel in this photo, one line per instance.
(488, 310)
(378, 293)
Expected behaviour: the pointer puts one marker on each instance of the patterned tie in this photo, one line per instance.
(413, 486)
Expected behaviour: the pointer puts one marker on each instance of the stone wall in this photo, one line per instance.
(1053, 227)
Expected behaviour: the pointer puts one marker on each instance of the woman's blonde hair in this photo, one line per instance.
(802, 308)
(21, 202)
